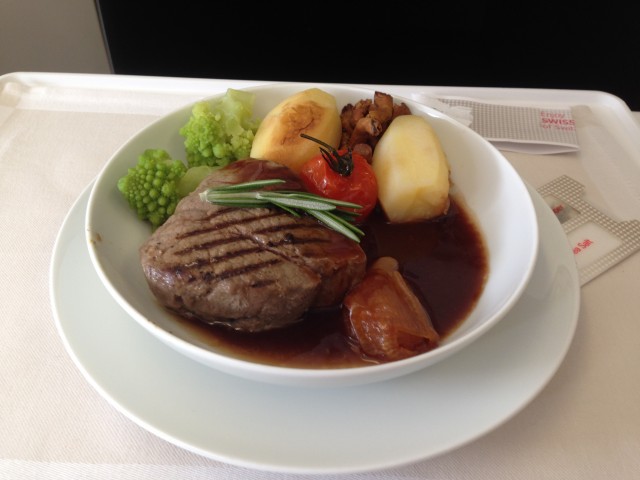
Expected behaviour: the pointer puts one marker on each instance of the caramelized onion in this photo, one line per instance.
(384, 319)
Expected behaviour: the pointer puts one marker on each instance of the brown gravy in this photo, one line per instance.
(444, 261)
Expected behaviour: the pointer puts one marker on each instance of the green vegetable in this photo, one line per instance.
(157, 183)
(192, 179)
(221, 131)
(151, 187)
(324, 209)
(216, 134)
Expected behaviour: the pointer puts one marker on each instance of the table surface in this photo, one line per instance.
(58, 130)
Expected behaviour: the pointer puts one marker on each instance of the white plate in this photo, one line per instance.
(298, 430)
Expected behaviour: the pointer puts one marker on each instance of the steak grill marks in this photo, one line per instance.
(213, 227)
(199, 268)
(252, 269)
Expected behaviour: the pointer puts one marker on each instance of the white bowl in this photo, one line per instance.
(493, 191)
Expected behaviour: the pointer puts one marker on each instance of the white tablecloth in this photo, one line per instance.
(56, 132)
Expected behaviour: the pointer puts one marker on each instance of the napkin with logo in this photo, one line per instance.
(510, 127)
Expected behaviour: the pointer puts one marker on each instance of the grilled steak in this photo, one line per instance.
(251, 269)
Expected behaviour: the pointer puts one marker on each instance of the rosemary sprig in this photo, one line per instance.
(250, 194)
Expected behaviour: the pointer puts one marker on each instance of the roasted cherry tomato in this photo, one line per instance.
(341, 175)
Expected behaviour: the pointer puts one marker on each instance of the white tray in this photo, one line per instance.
(607, 327)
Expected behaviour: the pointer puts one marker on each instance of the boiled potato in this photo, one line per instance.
(412, 171)
(312, 111)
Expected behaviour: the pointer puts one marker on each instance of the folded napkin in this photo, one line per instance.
(516, 128)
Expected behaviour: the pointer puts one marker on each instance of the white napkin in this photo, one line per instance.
(509, 127)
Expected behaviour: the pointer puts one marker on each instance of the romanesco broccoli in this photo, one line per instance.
(151, 187)
(220, 132)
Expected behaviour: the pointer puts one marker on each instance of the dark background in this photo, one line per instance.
(486, 44)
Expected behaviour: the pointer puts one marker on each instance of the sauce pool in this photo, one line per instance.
(443, 260)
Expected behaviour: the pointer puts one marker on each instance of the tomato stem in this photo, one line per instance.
(339, 163)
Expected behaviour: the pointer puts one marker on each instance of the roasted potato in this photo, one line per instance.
(312, 111)
(412, 171)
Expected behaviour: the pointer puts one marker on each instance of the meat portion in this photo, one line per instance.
(251, 269)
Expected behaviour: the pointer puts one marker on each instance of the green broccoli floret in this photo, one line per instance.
(151, 187)
(219, 132)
